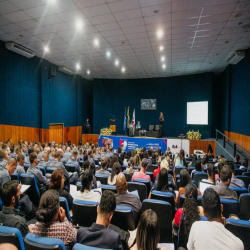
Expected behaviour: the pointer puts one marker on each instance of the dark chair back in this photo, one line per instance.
(64, 204)
(239, 191)
(103, 178)
(146, 182)
(246, 174)
(11, 235)
(70, 167)
(15, 177)
(151, 168)
(78, 246)
(164, 196)
(128, 176)
(241, 229)
(84, 212)
(178, 169)
(34, 242)
(151, 127)
(198, 176)
(140, 187)
(26, 166)
(33, 192)
(108, 187)
(124, 218)
(245, 179)
(230, 206)
(50, 170)
(164, 213)
(244, 206)
(43, 169)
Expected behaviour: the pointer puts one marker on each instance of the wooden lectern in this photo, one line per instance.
(112, 126)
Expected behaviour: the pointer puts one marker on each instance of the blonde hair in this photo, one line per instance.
(130, 170)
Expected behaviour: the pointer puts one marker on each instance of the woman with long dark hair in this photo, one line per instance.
(210, 174)
(113, 160)
(115, 171)
(193, 162)
(179, 160)
(148, 232)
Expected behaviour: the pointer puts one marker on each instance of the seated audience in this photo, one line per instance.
(244, 164)
(10, 216)
(124, 198)
(185, 179)
(18, 151)
(235, 182)
(52, 221)
(179, 159)
(7, 170)
(219, 167)
(3, 158)
(12, 153)
(166, 162)
(222, 188)
(103, 170)
(212, 234)
(74, 161)
(145, 156)
(45, 161)
(86, 166)
(141, 174)
(99, 234)
(30, 151)
(67, 154)
(198, 168)
(91, 160)
(130, 168)
(156, 171)
(148, 232)
(237, 160)
(62, 159)
(115, 171)
(87, 193)
(112, 161)
(57, 183)
(210, 175)
(221, 159)
(193, 162)
(20, 165)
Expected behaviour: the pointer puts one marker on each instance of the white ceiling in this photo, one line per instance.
(199, 35)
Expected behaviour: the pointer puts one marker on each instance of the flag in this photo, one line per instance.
(124, 122)
(133, 119)
(128, 120)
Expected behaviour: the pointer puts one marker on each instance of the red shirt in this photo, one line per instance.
(156, 171)
(140, 175)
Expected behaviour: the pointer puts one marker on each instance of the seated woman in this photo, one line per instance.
(148, 232)
(162, 183)
(87, 193)
(244, 164)
(126, 158)
(57, 183)
(179, 160)
(210, 174)
(115, 171)
(185, 179)
(112, 161)
(52, 221)
(219, 167)
(130, 168)
(165, 163)
(198, 168)
(193, 162)
(188, 214)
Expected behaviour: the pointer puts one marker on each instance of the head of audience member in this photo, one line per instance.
(222, 159)
(10, 193)
(45, 157)
(194, 160)
(23, 147)
(211, 205)
(18, 151)
(119, 151)
(12, 149)
(74, 155)
(106, 208)
(203, 163)
(115, 170)
(150, 152)
(198, 166)
(61, 152)
(231, 166)
(121, 183)
(4, 154)
(86, 165)
(67, 149)
(145, 155)
(33, 159)
(220, 166)
(104, 162)
(181, 154)
(144, 165)
(226, 175)
(4, 146)
(113, 160)
(162, 182)
(37, 151)
(52, 152)
(11, 165)
(237, 158)
(20, 160)
(57, 179)
(184, 178)
(131, 165)
(30, 150)
(87, 180)
(245, 163)
(49, 205)
(57, 156)
(148, 231)
(211, 172)
(48, 150)
(90, 154)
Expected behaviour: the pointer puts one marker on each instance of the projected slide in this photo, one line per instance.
(197, 113)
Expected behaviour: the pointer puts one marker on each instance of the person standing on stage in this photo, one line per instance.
(161, 120)
(87, 126)
(138, 126)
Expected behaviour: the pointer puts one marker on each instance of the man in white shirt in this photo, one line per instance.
(212, 234)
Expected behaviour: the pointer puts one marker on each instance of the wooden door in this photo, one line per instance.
(56, 133)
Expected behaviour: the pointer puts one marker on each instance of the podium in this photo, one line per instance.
(112, 125)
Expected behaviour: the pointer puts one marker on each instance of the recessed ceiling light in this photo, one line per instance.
(78, 66)
(96, 42)
(164, 66)
(79, 25)
(161, 48)
(88, 72)
(159, 33)
(108, 54)
(163, 58)
(46, 49)
(123, 69)
(116, 62)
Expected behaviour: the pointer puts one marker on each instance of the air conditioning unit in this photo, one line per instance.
(66, 70)
(236, 57)
(20, 49)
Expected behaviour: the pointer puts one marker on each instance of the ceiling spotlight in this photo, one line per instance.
(96, 42)
(159, 33)
(116, 62)
(78, 66)
(78, 25)
(161, 48)
(88, 72)
(163, 59)
(108, 54)
(123, 69)
(46, 49)
(164, 66)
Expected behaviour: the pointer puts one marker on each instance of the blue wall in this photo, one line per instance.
(172, 94)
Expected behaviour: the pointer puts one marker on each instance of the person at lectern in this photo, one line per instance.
(87, 126)
(161, 121)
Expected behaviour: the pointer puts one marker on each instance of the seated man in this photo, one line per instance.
(74, 161)
(30, 151)
(222, 188)
(235, 182)
(20, 165)
(237, 159)
(67, 155)
(3, 158)
(123, 198)
(91, 160)
(103, 169)
(9, 216)
(62, 159)
(212, 234)
(71, 177)
(99, 234)
(45, 160)
(12, 153)
(141, 174)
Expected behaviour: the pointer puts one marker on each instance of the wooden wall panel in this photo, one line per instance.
(242, 140)
(56, 133)
(73, 134)
(44, 135)
(202, 145)
(89, 138)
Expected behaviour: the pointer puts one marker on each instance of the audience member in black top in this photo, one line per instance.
(237, 159)
(9, 216)
(99, 234)
(113, 160)
(193, 162)
(57, 183)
